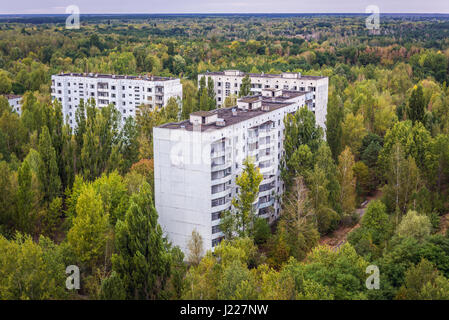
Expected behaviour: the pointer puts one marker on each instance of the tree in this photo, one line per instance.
(376, 222)
(353, 132)
(48, 168)
(25, 216)
(31, 271)
(248, 183)
(334, 120)
(301, 160)
(326, 218)
(189, 98)
(89, 234)
(8, 192)
(347, 181)
(298, 220)
(142, 260)
(324, 161)
(129, 145)
(212, 103)
(363, 178)
(112, 288)
(341, 271)
(262, 231)
(414, 225)
(171, 110)
(195, 246)
(416, 104)
(236, 282)
(245, 88)
(424, 282)
(300, 129)
(5, 83)
(403, 180)
(230, 101)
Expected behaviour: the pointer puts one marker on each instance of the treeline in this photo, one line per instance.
(29, 53)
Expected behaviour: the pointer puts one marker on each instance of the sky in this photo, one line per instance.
(222, 6)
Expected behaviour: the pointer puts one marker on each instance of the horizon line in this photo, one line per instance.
(221, 13)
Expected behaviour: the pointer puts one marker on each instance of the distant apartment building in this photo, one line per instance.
(126, 93)
(15, 102)
(196, 162)
(228, 83)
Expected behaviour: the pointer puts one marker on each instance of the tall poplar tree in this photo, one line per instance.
(245, 88)
(248, 182)
(416, 104)
(142, 260)
(48, 168)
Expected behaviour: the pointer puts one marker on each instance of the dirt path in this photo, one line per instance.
(339, 236)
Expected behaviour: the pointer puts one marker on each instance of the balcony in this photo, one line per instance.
(224, 206)
(217, 166)
(264, 132)
(221, 180)
(266, 204)
(215, 153)
(102, 86)
(252, 139)
(267, 170)
(227, 191)
(268, 179)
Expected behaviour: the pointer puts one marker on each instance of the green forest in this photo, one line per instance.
(85, 197)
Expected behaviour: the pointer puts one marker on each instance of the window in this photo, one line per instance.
(216, 241)
(216, 229)
(216, 215)
(219, 202)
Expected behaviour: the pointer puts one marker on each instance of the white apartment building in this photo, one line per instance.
(196, 162)
(228, 83)
(15, 102)
(127, 93)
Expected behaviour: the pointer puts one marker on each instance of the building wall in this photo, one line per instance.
(183, 189)
(125, 94)
(16, 104)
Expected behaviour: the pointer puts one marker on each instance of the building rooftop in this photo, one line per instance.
(114, 76)
(234, 115)
(203, 113)
(265, 75)
(12, 96)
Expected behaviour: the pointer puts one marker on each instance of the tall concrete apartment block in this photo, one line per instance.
(228, 83)
(196, 162)
(127, 93)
